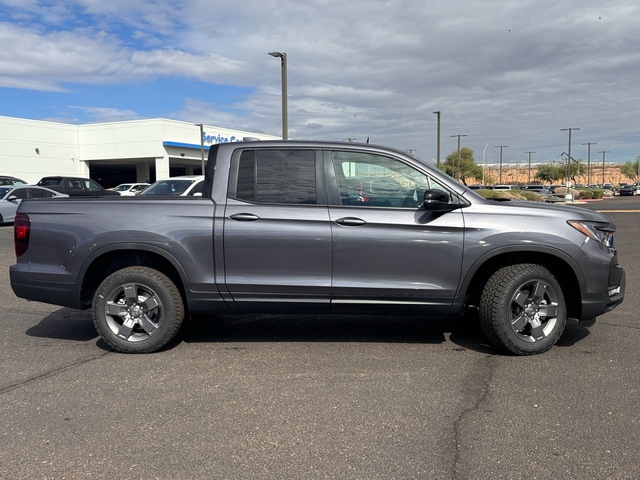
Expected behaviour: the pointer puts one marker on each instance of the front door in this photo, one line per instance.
(387, 250)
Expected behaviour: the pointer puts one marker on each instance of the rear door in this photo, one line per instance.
(277, 237)
(387, 250)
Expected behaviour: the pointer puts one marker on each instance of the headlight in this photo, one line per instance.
(601, 232)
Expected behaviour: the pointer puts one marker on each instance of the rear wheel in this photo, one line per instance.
(137, 310)
(522, 309)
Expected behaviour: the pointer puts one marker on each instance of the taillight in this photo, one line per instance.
(21, 231)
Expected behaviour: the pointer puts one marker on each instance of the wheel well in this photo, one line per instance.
(558, 268)
(110, 262)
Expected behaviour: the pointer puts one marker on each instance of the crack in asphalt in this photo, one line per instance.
(479, 389)
(610, 324)
(51, 373)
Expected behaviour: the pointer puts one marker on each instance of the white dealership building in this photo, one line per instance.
(111, 153)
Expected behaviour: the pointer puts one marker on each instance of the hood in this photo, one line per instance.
(568, 211)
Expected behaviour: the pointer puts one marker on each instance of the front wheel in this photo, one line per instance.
(137, 310)
(522, 309)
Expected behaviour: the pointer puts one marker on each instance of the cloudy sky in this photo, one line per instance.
(502, 73)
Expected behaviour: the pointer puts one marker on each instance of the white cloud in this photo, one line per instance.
(503, 73)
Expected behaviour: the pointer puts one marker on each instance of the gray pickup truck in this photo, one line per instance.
(318, 227)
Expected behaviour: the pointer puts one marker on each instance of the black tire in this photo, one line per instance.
(137, 310)
(522, 309)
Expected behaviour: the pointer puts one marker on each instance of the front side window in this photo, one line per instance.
(371, 180)
(93, 186)
(20, 193)
(276, 176)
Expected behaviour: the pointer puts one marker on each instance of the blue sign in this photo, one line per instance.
(213, 139)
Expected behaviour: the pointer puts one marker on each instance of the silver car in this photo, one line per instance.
(11, 196)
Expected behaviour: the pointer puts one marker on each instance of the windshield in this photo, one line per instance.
(168, 187)
(122, 188)
(4, 191)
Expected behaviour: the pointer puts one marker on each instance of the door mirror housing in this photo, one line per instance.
(439, 201)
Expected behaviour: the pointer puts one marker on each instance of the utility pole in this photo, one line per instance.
(588, 144)
(501, 147)
(603, 154)
(438, 147)
(201, 145)
(454, 173)
(569, 154)
(529, 181)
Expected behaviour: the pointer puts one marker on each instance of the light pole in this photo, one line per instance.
(201, 145)
(454, 173)
(569, 154)
(529, 181)
(588, 144)
(501, 147)
(603, 154)
(285, 120)
(438, 147)
(483, 152)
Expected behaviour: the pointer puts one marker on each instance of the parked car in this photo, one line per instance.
(477, 187)
(12, 195)
(183, 186)
(7, 180)
(505, 187)
(130, 189)
(608, 186)
(630, 190)
(540, 189)
(75, 186)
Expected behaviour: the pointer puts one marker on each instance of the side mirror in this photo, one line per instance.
(12, 198)
(437, 200)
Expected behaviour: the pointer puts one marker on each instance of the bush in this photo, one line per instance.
(509, 195)
(585, 194)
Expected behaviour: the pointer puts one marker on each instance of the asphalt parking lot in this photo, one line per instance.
(284, 397)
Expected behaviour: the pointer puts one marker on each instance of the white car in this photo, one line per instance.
(12, 195)
(184, 186)
(130, 189)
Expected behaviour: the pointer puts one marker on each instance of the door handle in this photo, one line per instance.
(351, 221)
(244, 217)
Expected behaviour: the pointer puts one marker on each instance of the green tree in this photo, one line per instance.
(577, 168)
(550, 172)
(463, 169)
(630, 169)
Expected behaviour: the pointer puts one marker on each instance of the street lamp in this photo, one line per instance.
(588, 144)
(438, 148)
(569, 154)
(285, 120)
(454, 173)
(603, 153)
(529, 181)
(501, 147)
(201, 145)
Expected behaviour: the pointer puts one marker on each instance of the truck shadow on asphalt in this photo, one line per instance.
(461, 333)
(65, 324)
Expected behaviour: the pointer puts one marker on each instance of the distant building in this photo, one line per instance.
(111, 153)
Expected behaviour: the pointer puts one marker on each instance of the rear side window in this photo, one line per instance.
(40, 193)
(276, 176)
(50, 181)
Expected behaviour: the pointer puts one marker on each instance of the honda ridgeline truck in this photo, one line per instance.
(318, 227)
